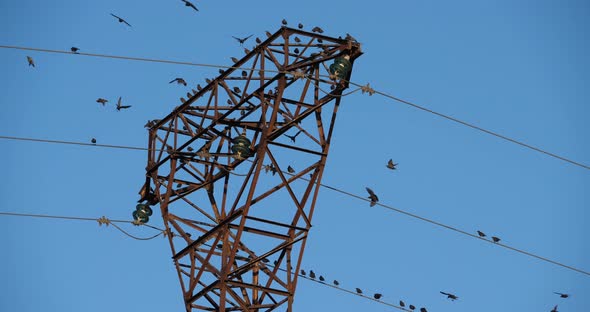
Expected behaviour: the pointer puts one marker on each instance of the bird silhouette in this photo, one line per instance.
(290, 169)
(178, 81)
(74, 49)
(481, 234)
(359, 291)
(284, 22)
(233, 59)
(450, 296)
(120, 107)
(297, 39)
(102, 101)
(391, 165)
(300, 26)
(317, 29)
(322, 278)
(296, 51)
(336, 283)
(188, 4)
(242, 40)
(377, 296)
(412, 307)
(562, 295)
(120, 20)
(554, 309)
(311, 274)
(199, 87)
(30, 60)
(374, 199)
(495, 239)
(292, 137)
(402, 304)
(303, 272)
(258, 40)
(268, 34)
(93, 141)
(244, 73)
(423, 310)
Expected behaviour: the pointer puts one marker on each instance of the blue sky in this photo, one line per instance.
(516, 67)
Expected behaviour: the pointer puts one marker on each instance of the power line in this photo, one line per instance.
(409, 214)
(366, 88)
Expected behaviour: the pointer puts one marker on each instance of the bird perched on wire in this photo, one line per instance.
(292, 137)
(303, 272)
(178, 81)
(93, 141)
(121, 20)
(290, 169)
(481, 234)
(391, 165)
(189, 4)
(120, 107)
(562, 295)
(402, 304)
(450, 296)
(377, 296)
(554, 309)
(359, 291)
(31, 61)
(372, 196)
(242, 40)
(300, 26)
(284, 22)
(336, 283)
(322, 278)
(423, 310)
(311, 274)
(74, 49)
(102, 101)
(495, 239)
(412, 307)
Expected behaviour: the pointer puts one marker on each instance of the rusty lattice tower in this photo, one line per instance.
(236, 170)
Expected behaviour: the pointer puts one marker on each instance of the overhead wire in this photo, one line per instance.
(406, 213)
(470, 125)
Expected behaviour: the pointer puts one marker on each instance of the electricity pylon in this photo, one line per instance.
(236, 170)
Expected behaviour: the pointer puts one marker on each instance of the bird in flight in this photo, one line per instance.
(554, 309)
(562, 295)
(120, 20)
(391, 165)
(481, 234)
(102, 101)
(242, 40)
(495, 239)
(374, 199)
(74, 49)
(120, 107)
(30, 60)
(450, 296)
(189, 4)
(292, 137)
(178, 81)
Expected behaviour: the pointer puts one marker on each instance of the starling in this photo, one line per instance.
(450, 296)
(317, 29)
(188, 95)
(182, 100)
(412, 307)
(207, 80)
(562, 295)
(258, 40)
(199, 87)
(74, 49)
(336, 283)
(495, 239)
(188, 4)
(120, 20)
(303, 272)
(322, 278)
(481, 234)
(290, 169)
(359, 291)
(246, 51)
(374, 199)
(237, 90)
(242, 40)
(229, 102)
(423, 310)
(221, 71)
(30, 60)
(300, 26)
(93, 141)
(297, 39)
(120, 107)
(377, 296)
(244, 73)
(296, 51)
(311, 274)
(391, 165)
(320, 40)
(233, 59)
(268, 34)
(178, 81)
(284, 22)
(190, 149)
(294, 136)
(554, 309)
(402, 304)
(102, 101)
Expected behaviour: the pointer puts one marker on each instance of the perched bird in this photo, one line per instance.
(336, 283)
(120, 20)
(311, 274)
(359, 291)
(190, 149)
(284, 22)
(258, 40)
(300, 26)
(317, 29)
(562, 295)
(374, 199)
(268, 34)
(237, 90)
(74, 49)
(391, 165)
(93, 141)
(297, 39)
(423, 310)
(120, 107)
(296, 51)
(554, 309)
(292, 137)
(246, 51)
(244, 73)
(303, 272)
(199, 87)
(402, 304)
(242, 40)
(178, 81)
(481, 234)
(102, 101)
(221, 71)
(495, 239)
(322, 278)
(233, 59)
(320, 40)
(219, 246)
(188, 4)
(412, 307)
(450, 296)
(30, 60)
(377, 296)
(290, 169)
(182, 100)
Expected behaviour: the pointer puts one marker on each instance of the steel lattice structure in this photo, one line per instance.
(237, 195)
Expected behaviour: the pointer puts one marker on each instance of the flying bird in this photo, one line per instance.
(291, 170)
(120, 107)
(377, 296)
(74, 49)
(450, 296)
(189, 4)
(120, 20)
(336, 283)
(242, 40)
(102, 101)
(178, 81)
(311, 274)
(30, 60)
(359, 291)
(554, 309)
(391, 165)
(374, 199)
(495, 239)
(481, 234)
(562, 295)
(292, 137)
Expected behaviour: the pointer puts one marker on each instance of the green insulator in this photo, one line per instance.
(141, 216)
(340, 67)
(146, 208)
(241, 146)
